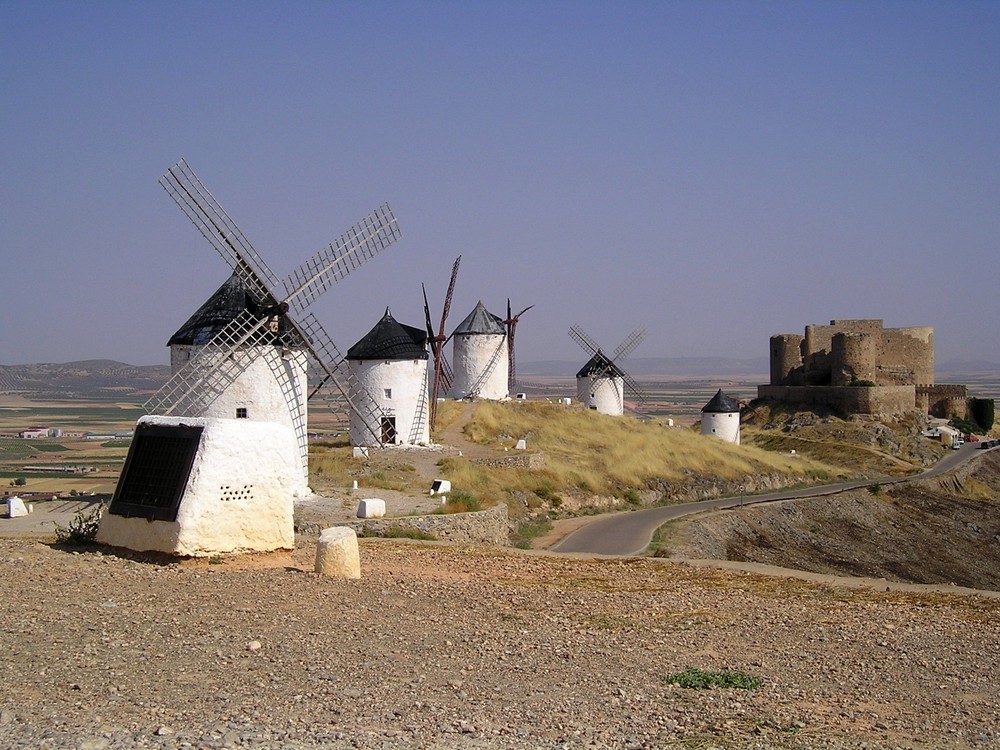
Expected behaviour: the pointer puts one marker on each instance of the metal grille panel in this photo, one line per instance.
(156, 472)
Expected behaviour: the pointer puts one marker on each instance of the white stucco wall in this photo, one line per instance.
(271, 388)
(606, 394)
(239, 496)
(471, 356)
(721, 425)
(407, 400)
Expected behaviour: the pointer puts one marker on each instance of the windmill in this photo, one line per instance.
(266, 327)
(443, 374)
(601, 383)
(479, 354)
(511, 323)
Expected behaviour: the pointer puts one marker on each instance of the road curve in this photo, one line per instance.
(630, 533)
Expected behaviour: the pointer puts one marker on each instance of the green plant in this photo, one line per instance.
(459, 501)
(19, 482)
(82, 529)
(699, 679)
(528, 531)
(983, 410)
(874, 489)
(855, 383)
(215, 560)
(964, 425)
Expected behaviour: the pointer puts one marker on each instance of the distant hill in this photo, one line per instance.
(92, 378)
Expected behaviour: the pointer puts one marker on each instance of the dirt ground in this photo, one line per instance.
(941, 531)
(441, 646)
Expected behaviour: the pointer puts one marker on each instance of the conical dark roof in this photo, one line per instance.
(390, 340)
(599, 365)
(480, 321)
(219, 310)
(721, 404)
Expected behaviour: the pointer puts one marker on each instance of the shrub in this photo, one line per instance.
(964, 425)
(459, 501)
(82, 530)
(698, 679)
(983, 410)
(528, 531)
(874, 489)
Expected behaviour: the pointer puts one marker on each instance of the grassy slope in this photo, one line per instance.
(588, 454)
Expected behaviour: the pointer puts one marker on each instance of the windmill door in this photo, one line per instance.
(388, 429)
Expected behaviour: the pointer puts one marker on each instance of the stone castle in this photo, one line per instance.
(861, 367)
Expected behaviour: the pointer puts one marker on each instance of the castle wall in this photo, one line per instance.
(907, 355)
(945, 400)
(881, 400)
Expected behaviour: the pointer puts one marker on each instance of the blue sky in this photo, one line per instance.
(715, 171)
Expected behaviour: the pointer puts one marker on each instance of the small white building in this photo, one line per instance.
(34, 433)
(202, 486)
(480, 358)
(272, 383)
(388, 385)
(720, 418)
(600, 385)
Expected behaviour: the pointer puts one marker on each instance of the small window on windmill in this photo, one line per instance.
(156, 471)
(388, 392)
(241, 412)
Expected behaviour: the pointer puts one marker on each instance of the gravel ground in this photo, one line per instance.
(469, 647)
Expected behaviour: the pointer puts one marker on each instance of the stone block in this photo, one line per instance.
(371, 507)
(337, 553)
(522, 444)
(15, 507)
(440, 486)
(360, 451)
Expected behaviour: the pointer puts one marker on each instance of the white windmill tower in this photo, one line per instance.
(601, 383)
(720, 418)
(479, 356)
(388, 369)
(216, 470)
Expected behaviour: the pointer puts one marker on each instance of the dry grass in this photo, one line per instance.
(606, 455)
(589, 454)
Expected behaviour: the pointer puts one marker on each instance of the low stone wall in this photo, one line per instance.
(532, 461)
(482, 527)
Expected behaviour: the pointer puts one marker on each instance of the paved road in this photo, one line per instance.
(630, 533)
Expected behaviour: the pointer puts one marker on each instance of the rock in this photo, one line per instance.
(337, 553)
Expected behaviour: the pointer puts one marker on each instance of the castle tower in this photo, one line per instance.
(271, 388)
(479, 357)
(786, 357)
(388, 376)
(853, 357)
(600, 385)
(720, 418)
